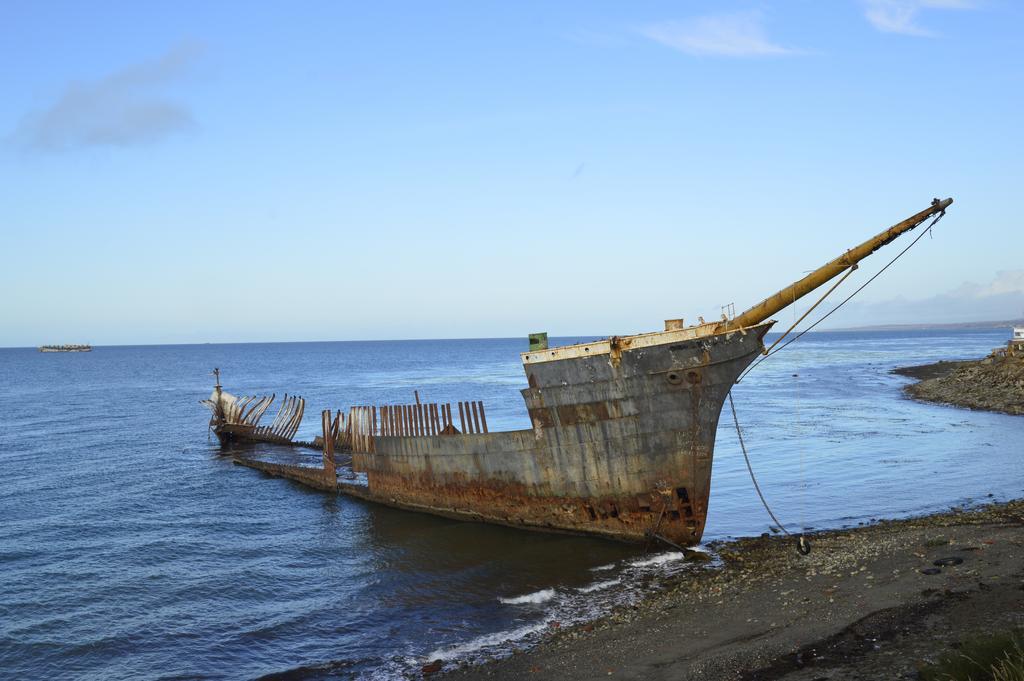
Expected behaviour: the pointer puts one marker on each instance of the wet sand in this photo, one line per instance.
(858, 607)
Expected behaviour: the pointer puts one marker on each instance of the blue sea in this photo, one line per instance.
(129, 549)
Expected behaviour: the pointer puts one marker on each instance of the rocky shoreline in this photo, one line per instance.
(867, 603)
(995, 383)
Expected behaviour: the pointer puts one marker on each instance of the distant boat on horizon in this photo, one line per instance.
(74, 347)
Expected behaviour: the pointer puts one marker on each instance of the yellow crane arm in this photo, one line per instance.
(787, 296)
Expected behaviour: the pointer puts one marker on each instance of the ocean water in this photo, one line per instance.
(130, 549)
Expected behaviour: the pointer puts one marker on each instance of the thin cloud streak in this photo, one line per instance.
(122, 109)
(900, 16)
(740, 34)
(1006, 281)
(999, 299)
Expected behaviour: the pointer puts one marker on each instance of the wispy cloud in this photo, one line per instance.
(900, 16)
(1001, 298)
(125, 108)
(1006, 281)
(740, 34)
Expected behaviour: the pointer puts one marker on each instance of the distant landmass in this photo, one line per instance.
(943, 326)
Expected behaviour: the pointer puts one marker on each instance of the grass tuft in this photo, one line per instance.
(999, 657)
(1011, 668)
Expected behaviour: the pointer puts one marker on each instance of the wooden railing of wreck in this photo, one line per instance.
(365, 423)
(287, 421)
(330, 430)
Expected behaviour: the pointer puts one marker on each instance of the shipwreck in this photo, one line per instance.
(621, 443)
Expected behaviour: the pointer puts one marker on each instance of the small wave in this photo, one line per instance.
(479, 643)
(310, 671)
(602, 568)
(541, 596)
(659, 559)
(597, 586)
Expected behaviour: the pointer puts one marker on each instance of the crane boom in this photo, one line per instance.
(787, 296)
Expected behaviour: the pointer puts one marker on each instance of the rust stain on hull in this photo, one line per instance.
(630, 517)
(623, 519)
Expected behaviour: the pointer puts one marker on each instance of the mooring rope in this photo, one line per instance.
(803, 546)
(803, 468)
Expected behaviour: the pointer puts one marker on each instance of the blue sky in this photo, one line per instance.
(193, 172)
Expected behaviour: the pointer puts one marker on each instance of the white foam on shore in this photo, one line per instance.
(628, 581)
(500, 638)
(598, 586)
(541, 596)
(659, 559)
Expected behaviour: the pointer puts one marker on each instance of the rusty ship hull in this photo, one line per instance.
(621, 445)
